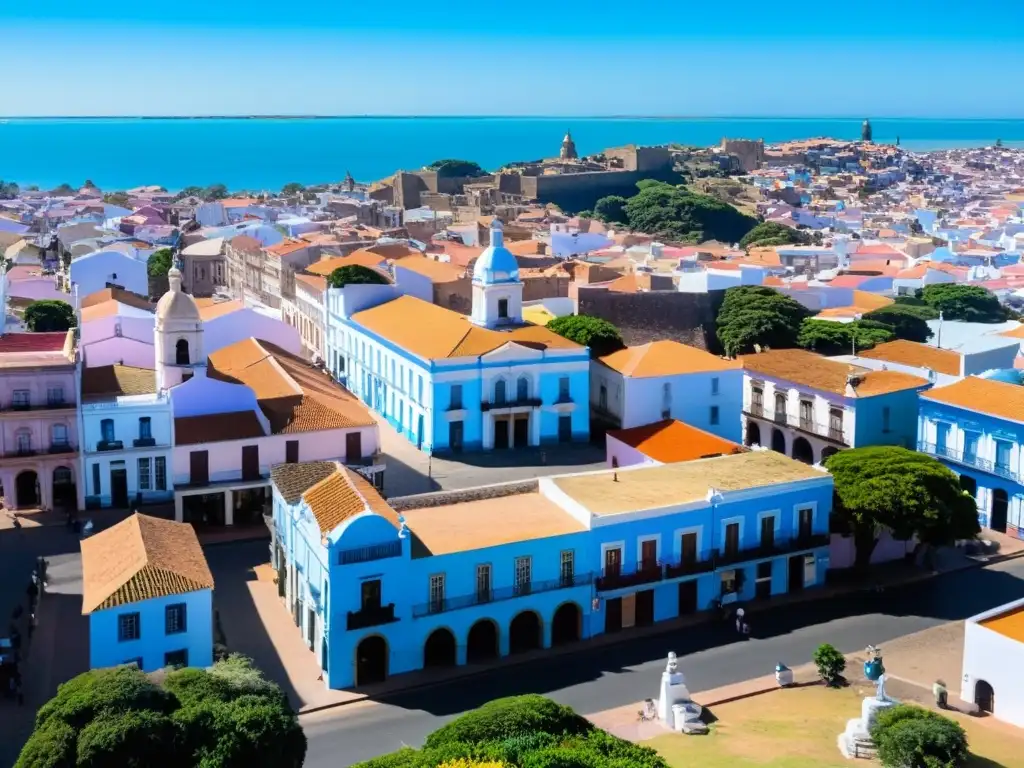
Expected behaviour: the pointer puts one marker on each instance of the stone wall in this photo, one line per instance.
(480, 493)
(579, 191)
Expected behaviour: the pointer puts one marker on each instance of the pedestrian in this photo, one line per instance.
(941, 694)
(739, 620)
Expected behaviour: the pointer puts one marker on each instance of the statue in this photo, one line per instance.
(880, 692)
(673, 663)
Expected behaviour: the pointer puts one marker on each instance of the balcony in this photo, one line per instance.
(21, 453)
(61, 447)
(485, 596)
(370, 553)
(827, 431)
(970, 459)
(779, 417)
(755, 409)
(110, 445)
(371, 616)
(688, 568)
(50, 405)
(645, 573)
(144, 442)
(724, 558)
(373, 460)
(526, 402)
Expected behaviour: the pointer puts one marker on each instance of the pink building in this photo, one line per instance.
(38, 436)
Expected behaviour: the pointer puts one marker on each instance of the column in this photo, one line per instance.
(45, 477)
(179, 507)
(545, 633)
(229, 507)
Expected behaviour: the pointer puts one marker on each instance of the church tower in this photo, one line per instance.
(497, 290)
(177, 336)
(568, 151)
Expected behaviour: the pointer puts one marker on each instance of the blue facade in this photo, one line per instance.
(154, 633)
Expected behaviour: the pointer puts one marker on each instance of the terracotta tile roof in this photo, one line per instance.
(524, 247)
(811, 370)
(214, 309)
(995, 398)
(462, 255)
(285, 247)
(324, 267)
(389, 250)
(293, 480)
(116, 380)
(879, 249)
(866, 300)
(624, 284)
(314, 283)
(342, 495)
(33, 342)
(434, 333)
(873, 268)
(919, 355)
(246, 244)
(436, 271)
(831, 312)
(116, 294)
(1015, 333)
(848, 281)
(665, 358)
(139, 559)
(670, 441)
(763, 257)
(239, 202)
(294, 396)
(217, 427)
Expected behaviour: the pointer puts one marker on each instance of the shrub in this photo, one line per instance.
(136, 739)
(52, 746)
(49, 315)
(355, 274)
(599, 335)
(913, 737)
(118, 689)
(510, 717)
(463, 763)
(830, 663)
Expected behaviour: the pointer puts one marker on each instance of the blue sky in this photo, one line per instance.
(913, 58)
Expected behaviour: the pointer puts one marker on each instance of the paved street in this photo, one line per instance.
(603, 677)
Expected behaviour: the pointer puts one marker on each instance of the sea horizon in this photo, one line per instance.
(264, 152)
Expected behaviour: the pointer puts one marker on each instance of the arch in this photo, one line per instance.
(969, 485)
(181, 356)
(753, 433)
(802, 451)
(27, 489)
(500, 392)
(984, 696)
(482, 642)
(439, 650)
(780, 406)
(778, 441)
(566, 624)
(64, 494)
(1000, 506)
(371, 660)
(522, 388)
(524, 633)
(828, 451)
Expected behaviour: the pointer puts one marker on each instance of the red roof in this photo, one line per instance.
(848, 281)
(879, 249)
(33, 342)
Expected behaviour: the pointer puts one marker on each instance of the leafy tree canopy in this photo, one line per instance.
(192, 191)
(753, 314)
(970, 303)
(769, 233)
(611, 209)
(452, 167)
(8, 190)
(215, 192)
(49, 315)
(599, 335)
(355, 274)
(906, 492)
(830, 338)
(64, 190)
(908, 735)
(159, 262)
(680, 214)
(224, 717)
(906, 321)
(119, 199)
(292, 188)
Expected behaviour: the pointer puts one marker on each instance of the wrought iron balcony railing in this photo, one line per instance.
(371, 617)
(970, 459)
(490, 595)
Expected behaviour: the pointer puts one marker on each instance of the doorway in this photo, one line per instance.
(802, 451)
(984, 696)
(501, 433)
(521, 431)
(64, 495)
(796, 573)
(27, 488)
(524, 633)
(763, 586)
(119, 487)
(482, 642)
(439, 650)
(778, 441)
(644, 615)
(455, 431)
(687, 597)
(565, 625)
(371, 660)
(1000, 504)
(613, 614)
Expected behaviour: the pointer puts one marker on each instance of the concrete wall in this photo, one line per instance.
(989, 656)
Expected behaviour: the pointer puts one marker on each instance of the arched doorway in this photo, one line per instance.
(524, 633)
(181, 352)
(802, 451)
(969, 486)
(439, 650)
(984, 696)
(63, 488)
(371, 660)
(482, 643)
(826, 452)
(753, 433)
(1000, 504)
(778, 441)
(565, 625)
(27, 489)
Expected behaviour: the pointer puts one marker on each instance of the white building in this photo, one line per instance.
(994, 662)
(100, 269)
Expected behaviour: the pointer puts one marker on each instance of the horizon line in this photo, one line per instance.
(314, 116)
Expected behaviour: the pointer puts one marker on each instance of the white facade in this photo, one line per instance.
(993, 668)
(95, 271)
(711, 279)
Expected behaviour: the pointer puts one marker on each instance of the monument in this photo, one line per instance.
(856, 740)
(675, 707)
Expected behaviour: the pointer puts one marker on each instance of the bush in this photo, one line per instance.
(599, 335)
(906, 321)
(118, 689)
(136, 739)
(830, 663)
(159, 262)
(908, 736)
(49, 315)
(355, 274)
(755, 315)
(507, 718)
(52, 746)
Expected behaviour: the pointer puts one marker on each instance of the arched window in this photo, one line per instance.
(499, 392)
(181, 352)
(522, 388)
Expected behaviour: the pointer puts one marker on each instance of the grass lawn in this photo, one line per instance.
(799, 728)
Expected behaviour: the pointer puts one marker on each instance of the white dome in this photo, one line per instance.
(175, 305)
(496, 264)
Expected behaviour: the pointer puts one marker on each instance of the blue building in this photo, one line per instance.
(976, 428)
(468, 576)
(450, 382)
(148, 593)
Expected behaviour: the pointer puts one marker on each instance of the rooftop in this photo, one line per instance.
(812, 370)
(108, 381)
(361, 258)
(116, 294)
(683, 483)
(33, 342)
(995, 398)
(670, 441)
(666, 358)
(293, 480)
(342, 495)
(918, 355)
(1008, 624)
(139, 559)
(217, 427)
(210, 309)
(436, 271)
(492, 522)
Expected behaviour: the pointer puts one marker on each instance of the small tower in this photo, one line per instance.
(350, 183)
(177, 336)
(568, 151)
(865, 131)
(497, 291)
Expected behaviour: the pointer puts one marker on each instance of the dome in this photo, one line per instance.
(496, 264)
(175, 305)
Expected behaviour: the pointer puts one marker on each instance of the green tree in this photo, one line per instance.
(678, 213)
(159, 262)
(599, 335)
(770, 233)
(88, 184)
(830, 663)
(611, 209)
(906, 321)
(452, 167)
(355, 274)
(192, 191)
(970, 303)
(119, 199)
(49, 315)
(215, 192)
(827, 337)
(8, 190)
(753, 314)
(909, 736)
(64, 190)
(292, 188)
(908, 493)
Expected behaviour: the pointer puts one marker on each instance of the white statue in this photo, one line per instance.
(880, 694)
(673, 663)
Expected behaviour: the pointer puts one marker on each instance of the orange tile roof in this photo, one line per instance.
(141, 558)
(670, 441)
(362, 258)
(217, 427)
(665, 358)
(434, 333)
(919, 355)
(115, 380)
(315, 283)
(866, 300)
(763, 257)
(285, 247)
(342, 495)
(436, 271)
(995, 398)
(831, 312)
(1015, 333)
(812, 370)
(524, 247)
(116, 294)
(1008, 624)
(215, 309)
(239, 202)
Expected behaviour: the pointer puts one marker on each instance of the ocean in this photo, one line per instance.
(266, 153)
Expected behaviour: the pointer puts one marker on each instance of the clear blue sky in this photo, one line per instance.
(926, 58)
